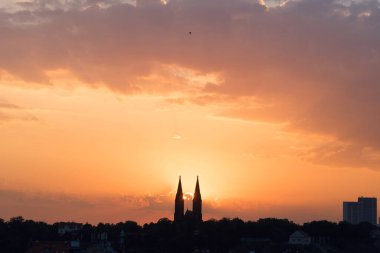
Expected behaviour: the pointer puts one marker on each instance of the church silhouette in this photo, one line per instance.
(195, 215)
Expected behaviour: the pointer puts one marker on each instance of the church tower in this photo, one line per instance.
(179, 203)
(197, 203)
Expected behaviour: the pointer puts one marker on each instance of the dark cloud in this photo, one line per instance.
(311, 64)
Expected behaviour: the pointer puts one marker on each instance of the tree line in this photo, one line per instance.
(167, 236)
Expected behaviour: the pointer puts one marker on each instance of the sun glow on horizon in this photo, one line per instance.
(188, 196)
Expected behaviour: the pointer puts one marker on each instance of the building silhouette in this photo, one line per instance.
(351, 212)
(179, 207)
(364, 210)
(195, 215)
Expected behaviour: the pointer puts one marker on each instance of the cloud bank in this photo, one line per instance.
(54, 207)
(312, 65)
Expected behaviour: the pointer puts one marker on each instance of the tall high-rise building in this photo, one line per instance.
(350, 212)
(365, 210)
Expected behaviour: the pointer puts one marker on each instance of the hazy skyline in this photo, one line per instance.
(103, 104)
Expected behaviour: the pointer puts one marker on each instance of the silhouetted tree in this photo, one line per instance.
(166, 236)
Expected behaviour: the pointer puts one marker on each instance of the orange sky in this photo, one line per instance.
(103, 106)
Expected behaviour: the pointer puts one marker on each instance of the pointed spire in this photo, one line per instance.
(179, 190)
(179, 203)
(197, 203)
(197, 193)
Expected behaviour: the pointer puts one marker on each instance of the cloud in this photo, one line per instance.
(176, 137)
(254, 210)
(12, 6)
(10, 112)
(343, 155)
(8, 106)
(310, 64)
(4, 117)
(54, 207)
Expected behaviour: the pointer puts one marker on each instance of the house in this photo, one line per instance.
(299, 238)
(68, 227)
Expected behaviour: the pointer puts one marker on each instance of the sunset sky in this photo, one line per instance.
(105, 103)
